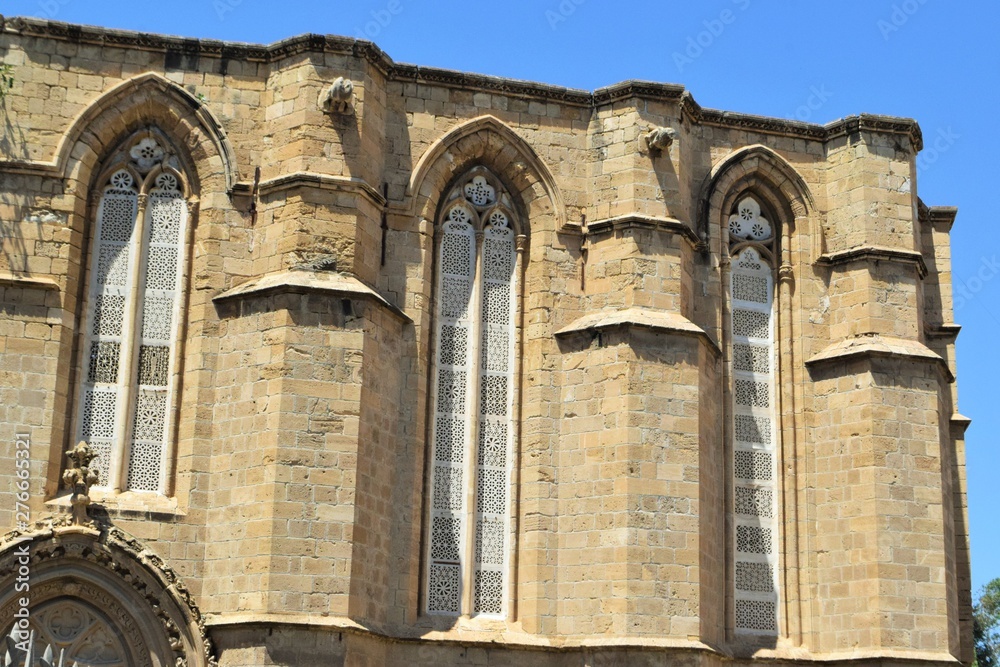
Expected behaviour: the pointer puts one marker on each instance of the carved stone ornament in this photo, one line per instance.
(146, 154)
(339, 97)
(79, 477)
(658, 139)
(98, 596)
(747, 224)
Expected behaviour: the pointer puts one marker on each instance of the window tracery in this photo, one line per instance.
(67, 632)
(132, 322)
(473, 401)
(754, 445)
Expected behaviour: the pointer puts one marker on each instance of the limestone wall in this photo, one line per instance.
(296, 507)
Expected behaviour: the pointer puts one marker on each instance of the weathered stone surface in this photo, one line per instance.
(295, 511)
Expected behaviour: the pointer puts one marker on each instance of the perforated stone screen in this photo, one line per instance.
(754, 543)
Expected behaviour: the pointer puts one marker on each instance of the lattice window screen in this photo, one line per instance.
(754, 447)
(159, 298)
(452, 396)
(496, 424)
(102, 397)
(132, 327)
(472, 439)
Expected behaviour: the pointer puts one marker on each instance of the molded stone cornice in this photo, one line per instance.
(639, 221)
(312, 43)
(643, 318)
(308, 282)
(27, 282)
(943, 216)
(838, 128)
(311, 179)
(938, 216)
(959, 424)
(948, 330)
(875, 253)
(877, 345)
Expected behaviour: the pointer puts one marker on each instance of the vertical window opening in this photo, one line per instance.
(754, 423)
(133, 321)
(473, 401)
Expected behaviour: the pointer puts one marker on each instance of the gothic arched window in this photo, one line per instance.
(133, 319)
(473, 390)
(755, 421)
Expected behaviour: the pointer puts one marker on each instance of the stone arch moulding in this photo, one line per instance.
(760, 169)
(145, 611)
(144, 99)
(490, 142)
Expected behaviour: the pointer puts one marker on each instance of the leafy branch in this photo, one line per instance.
(6, 80)
(986, 625)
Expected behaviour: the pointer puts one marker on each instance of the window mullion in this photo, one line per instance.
(476, 335)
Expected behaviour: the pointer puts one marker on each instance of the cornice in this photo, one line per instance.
(27, 168)
(765, 124)
(959, 424)
(650, 90)
(314, 180)
(314, 43)
(876, 123)
(512, 638)
(27, 282)
(877, 345)
(491, 84)
(308, 282)
(640, 221)
(642, 318)
(875, 253)
(943, 216)
(907, 127)
(947, 330)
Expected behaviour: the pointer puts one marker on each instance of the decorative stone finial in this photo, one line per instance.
(79, 477)
(339, 97)
(658, 139)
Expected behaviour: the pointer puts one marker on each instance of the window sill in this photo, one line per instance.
(145, 505)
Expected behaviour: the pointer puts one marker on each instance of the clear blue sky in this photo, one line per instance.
(932, 60)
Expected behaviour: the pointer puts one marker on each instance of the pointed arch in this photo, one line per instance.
(144, 610)
(760, 211)
(488, 141)
(144, 100)
(759, 169)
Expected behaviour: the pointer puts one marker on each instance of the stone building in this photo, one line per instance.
(387, 365)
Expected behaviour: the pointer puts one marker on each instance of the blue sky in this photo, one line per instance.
(932, 60)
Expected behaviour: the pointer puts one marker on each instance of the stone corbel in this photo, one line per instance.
(79, 477)
(657, 140)
(338, 98)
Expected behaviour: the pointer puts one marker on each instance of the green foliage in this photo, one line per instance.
(6, 80)
(986, 625)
